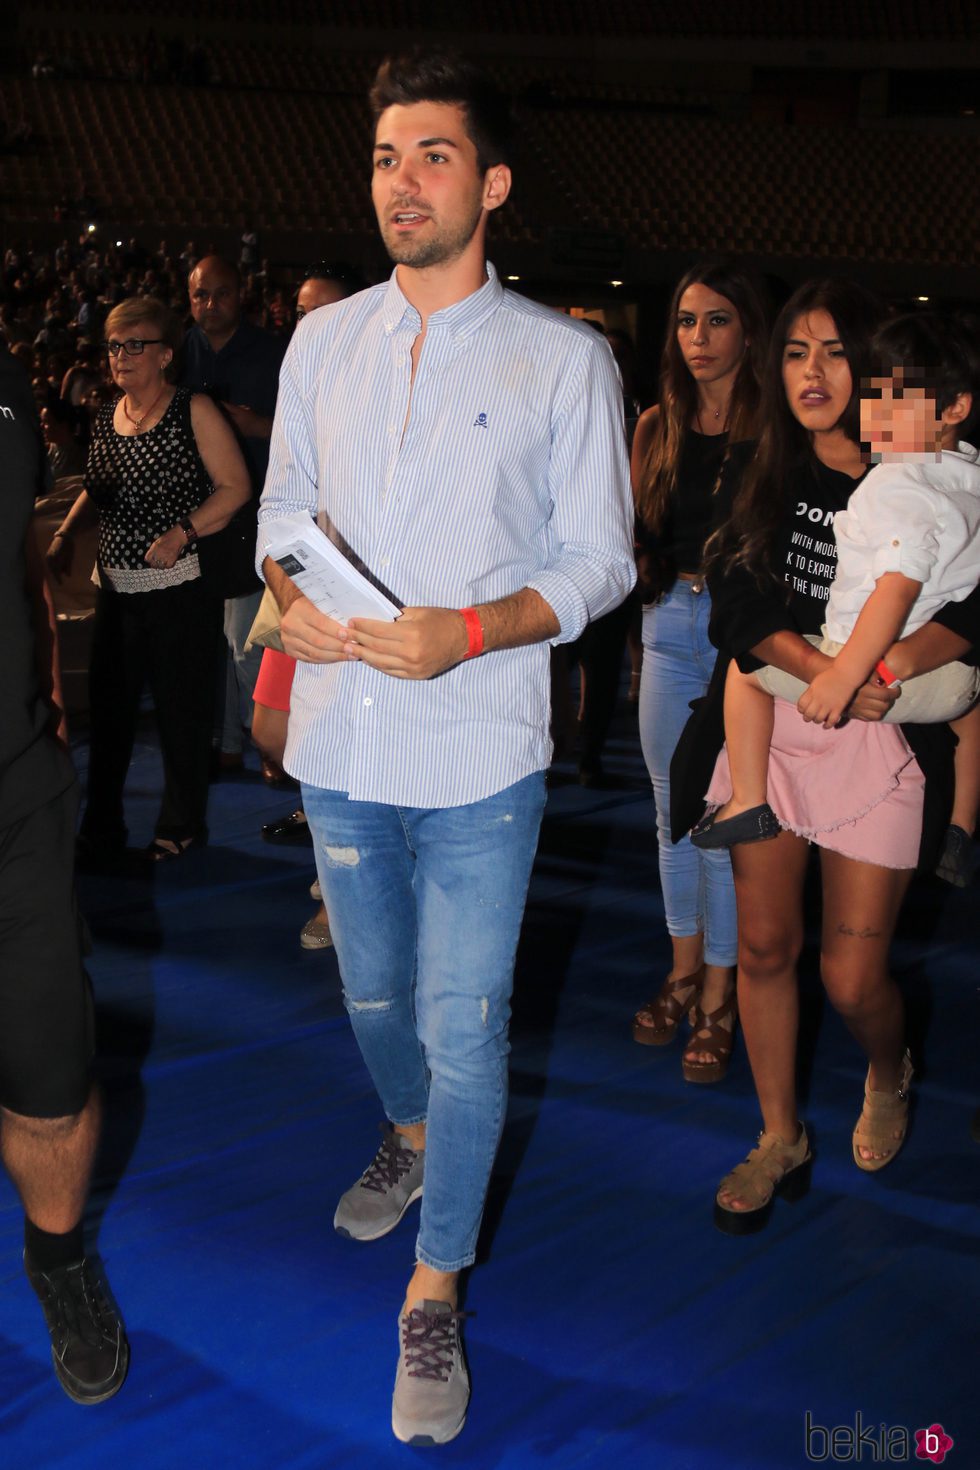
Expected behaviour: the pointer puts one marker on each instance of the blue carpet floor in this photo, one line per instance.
(613, 1327)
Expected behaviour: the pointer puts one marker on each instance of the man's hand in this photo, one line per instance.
(872, 701)
(310, 636)
(250, 425)
(423, 642)
(826, 699)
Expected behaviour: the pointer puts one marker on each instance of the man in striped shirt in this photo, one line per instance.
(466, 445)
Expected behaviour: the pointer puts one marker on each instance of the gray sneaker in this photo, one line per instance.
(391, 1182)
(432, 1386)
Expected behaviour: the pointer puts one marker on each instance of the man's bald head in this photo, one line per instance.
(215, 290)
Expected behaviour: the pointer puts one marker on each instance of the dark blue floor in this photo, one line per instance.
(614, 1327)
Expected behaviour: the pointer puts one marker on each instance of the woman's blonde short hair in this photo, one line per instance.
(140, 310)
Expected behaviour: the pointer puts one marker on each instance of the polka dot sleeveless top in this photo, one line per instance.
(142, 484)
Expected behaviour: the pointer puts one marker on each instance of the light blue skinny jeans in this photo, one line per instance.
(678, 657)
(425, 910)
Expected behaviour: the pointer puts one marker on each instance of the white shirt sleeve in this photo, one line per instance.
(291, 479)
(590, 567)
(893, 520)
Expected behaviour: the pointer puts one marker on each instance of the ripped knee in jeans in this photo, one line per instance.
(342, 857)
(365, 1007)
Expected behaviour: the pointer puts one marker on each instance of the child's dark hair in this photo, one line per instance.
(446, 76)
(938, 351)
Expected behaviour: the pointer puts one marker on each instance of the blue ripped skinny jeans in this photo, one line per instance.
(425, 909)
(678, 658)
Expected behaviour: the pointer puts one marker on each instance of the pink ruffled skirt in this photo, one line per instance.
(857, 790)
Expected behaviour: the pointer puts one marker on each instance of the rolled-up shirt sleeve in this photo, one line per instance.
(892, 522)
(590, 566)
(291, 480)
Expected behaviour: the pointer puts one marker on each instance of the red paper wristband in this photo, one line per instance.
(474, 631)
(885, 674)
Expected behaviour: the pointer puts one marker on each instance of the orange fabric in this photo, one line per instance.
(275, 680)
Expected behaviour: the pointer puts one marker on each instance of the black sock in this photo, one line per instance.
(47, 1251)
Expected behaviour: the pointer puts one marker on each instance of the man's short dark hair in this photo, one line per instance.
(446, 76)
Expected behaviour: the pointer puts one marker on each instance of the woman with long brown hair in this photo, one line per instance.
(872, 808)
(709, 395)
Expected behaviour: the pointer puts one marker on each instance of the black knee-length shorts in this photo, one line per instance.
(46, 1013)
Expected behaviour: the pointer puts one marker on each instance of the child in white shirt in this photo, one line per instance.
(908, 542)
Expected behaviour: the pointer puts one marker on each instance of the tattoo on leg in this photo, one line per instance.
(859, 933)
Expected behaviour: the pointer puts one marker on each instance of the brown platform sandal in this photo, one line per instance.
(883, 1114)
(773, 1167)
(719, 1042)
(676, 998)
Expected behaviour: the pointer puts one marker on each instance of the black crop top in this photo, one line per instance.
(692, 511)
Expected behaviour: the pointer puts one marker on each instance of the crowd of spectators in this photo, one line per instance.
(54, 301)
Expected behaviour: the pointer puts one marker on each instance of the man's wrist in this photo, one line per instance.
(474, 632)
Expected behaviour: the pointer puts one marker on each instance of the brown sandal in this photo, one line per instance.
(677, 997)
(773, 1167)
(719, 1042)
(883, 1114)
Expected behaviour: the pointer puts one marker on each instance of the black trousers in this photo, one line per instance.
(169, 639)
(46, 1012)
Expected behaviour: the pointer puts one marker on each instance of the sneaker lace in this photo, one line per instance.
(388, 1167)
(430, 1343)
(81, 1305)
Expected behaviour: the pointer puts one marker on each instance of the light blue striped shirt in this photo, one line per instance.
(512, 473)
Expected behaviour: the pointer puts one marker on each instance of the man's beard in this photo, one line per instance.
(437, 249)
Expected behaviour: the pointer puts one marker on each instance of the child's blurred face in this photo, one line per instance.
(898, 419)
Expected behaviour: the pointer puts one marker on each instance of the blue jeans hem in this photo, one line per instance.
(434, 1265)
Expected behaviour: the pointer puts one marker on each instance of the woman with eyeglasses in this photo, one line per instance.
(164, 470)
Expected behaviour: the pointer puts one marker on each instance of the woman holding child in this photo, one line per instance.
(857, 791)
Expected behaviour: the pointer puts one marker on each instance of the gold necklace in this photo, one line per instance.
(137, 423)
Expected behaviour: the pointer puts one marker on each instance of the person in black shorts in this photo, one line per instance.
(49, 1108)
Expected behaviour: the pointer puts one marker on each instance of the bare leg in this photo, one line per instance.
(269, 732)
(688, 954)
(50, 1163)
(434, 1286)
(860, 910)
(748, 733)
(718, 981)
(769, 891)
(966, 798)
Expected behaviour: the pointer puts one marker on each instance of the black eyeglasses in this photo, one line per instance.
(133, 345)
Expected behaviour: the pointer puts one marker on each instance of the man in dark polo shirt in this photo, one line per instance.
(49, 1109)
(238, 364)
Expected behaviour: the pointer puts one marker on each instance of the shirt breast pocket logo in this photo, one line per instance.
(480, 422)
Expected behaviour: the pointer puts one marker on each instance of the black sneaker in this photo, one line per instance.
(88, 1340)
